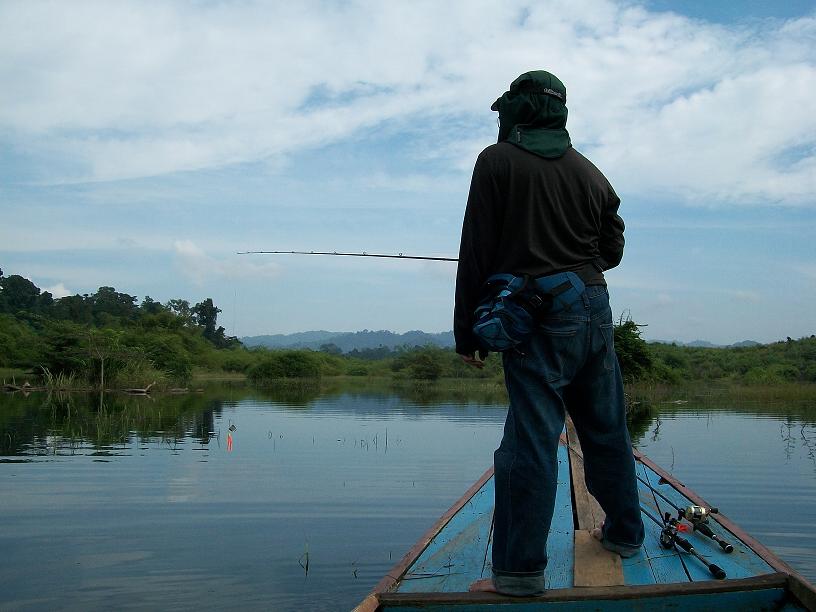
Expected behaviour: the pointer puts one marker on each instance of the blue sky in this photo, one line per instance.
(143, 144)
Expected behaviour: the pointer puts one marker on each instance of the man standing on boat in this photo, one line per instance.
(537, 207)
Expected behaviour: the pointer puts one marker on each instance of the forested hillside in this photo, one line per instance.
(107, 334)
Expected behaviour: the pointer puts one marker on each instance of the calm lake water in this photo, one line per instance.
(315, 493)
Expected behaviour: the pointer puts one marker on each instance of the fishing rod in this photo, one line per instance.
(696, 515)
(670, 538)
(363, 254)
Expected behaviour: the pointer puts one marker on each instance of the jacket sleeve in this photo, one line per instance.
(611, 242)
(481, 231)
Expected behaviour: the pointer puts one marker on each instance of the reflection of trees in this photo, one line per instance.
(462, 392)
(422, 393)
(202, 425)
(795, 434)
(60, 422)
(14, 431)
(292, 393)
(639, 419)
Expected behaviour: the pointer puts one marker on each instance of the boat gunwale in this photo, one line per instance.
(777, 580)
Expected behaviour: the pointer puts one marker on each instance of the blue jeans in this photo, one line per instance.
(568, 364)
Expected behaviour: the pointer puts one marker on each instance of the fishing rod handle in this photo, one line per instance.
(716, 571)
(706, 531)
(723, 544)
(683, 543)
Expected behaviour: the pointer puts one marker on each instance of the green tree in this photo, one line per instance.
(425, 364)
(151, 306)
(18, 293)
(105, 355)
(181, 308)
(64, 348)
(285, 364)
(206, 315)
(331, 348)
(20, 345)
(632, 351)
(76, 308)
(108, 301)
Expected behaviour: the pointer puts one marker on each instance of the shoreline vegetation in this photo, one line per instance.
(109, 341)
(54, 422)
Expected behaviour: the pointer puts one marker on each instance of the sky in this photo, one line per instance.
(143, 144)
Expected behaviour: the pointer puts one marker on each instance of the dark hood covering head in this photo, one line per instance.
(533, 114)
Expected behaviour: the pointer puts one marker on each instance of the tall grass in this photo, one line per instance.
(62, 381)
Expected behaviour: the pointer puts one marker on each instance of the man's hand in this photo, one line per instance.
(472, 360)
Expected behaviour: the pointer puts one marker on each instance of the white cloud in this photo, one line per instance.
(59, 291)
(200, 267)
(416, 183)
(664, 103)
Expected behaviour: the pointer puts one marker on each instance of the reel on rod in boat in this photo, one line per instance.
(698, 517)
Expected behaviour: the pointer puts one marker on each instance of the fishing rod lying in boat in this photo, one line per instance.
(670, 538)
(363, 254)
(696, 515)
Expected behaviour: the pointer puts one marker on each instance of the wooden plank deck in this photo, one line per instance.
(594, 565)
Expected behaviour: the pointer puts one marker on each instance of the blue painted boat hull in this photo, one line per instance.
(436, 573)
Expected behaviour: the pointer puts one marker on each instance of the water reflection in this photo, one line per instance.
(64, 423)
(145, 500)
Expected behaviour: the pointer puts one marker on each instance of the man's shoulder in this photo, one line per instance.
(575, 158)
(502, 157)
(505, 150)
(507, 157)
(498, 150)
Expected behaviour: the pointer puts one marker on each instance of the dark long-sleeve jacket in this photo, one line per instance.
(530, 215)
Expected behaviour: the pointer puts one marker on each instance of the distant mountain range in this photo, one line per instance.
(348, 341)
(706, 344)
(367, 339)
